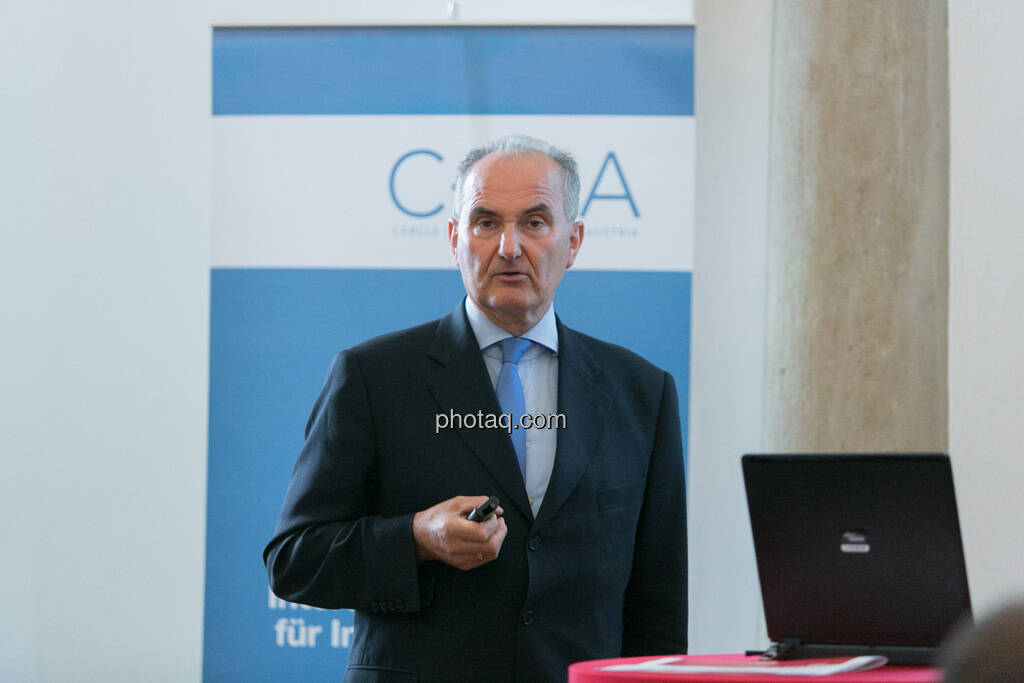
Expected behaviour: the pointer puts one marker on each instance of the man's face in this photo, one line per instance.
(511, 239)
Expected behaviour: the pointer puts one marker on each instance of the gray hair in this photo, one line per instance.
(513, 145)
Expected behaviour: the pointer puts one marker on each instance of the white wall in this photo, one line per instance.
(105, 139)
(733, 64)
(986, 299)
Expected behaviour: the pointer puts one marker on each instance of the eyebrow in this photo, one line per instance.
(538, 208)
(478, 211)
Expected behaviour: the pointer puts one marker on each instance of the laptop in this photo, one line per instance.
(857, 554)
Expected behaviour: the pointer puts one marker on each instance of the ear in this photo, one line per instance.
(453, 237)
(575, 242)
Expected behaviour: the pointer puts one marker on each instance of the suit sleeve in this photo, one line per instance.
(328, 550)
(655, 606)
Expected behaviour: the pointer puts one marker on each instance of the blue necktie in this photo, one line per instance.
(510, 393)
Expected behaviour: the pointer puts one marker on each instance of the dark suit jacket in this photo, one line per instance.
(600, 572)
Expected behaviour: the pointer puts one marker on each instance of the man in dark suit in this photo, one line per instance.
(587, 556)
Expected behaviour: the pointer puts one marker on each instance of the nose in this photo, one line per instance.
(510, 247)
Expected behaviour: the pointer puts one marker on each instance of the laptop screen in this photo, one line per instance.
(857, 550)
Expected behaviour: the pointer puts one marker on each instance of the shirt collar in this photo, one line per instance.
(544, 332)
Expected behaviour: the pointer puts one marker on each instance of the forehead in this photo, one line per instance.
(507, 180)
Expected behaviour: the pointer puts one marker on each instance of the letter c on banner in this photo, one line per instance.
(391, 183)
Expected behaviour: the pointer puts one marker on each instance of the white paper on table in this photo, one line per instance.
(767, 668)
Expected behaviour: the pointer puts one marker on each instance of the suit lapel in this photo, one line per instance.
(585, 404)
(459, 382)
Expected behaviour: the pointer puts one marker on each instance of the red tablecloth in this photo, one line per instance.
(590, 672)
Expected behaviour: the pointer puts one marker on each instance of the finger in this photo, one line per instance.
(461, 548)
(471, 559)
(481, 557)
(492, 546)
(471, 545)
(462, 530)
(488, 527)
(461, 527)
(499, 536)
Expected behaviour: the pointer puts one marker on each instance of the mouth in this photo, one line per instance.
(510, 276)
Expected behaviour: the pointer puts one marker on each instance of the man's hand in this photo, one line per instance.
(443, 533)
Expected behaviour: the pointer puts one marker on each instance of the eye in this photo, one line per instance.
(536, 223)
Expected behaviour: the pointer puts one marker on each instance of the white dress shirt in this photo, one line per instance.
(538, 371)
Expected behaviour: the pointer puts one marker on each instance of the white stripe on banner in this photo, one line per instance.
(375, 191)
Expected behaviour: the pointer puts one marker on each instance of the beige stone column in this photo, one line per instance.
(856, 296)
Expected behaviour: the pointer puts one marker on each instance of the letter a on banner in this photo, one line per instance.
(626, 194)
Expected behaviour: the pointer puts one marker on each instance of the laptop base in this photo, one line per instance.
(794, 649)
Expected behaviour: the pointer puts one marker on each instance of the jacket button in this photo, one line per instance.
(534, 543)
(527, 618)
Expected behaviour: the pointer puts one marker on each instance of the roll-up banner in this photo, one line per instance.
(334, 155)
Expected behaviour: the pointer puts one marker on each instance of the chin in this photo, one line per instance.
(508, 305)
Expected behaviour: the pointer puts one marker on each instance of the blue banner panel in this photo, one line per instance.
(273, 333)
(334, 149)
(454, 70)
